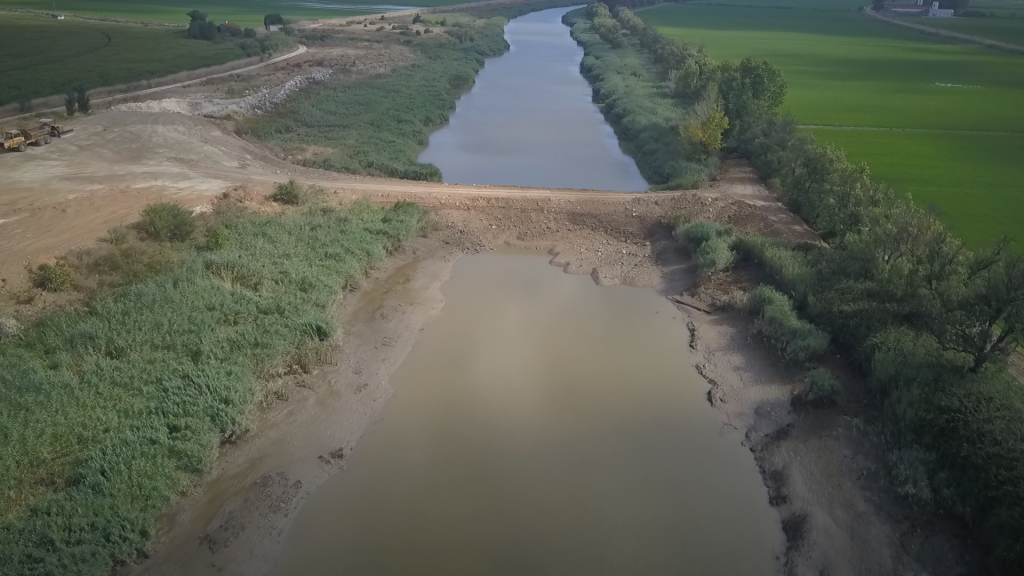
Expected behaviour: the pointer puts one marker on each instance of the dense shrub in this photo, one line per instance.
(709, 242)
(52, 277)
(108, 412)
(787, 267)
(796, 340)
(822, 389)
(167, 221)
(715, 255)
(289, 192)
(695, 234)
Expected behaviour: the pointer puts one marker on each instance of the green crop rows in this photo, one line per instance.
(242, 12)
(42, 57)
(843, 69)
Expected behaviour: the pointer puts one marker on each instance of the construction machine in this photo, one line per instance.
(19, 138)
(56, 130)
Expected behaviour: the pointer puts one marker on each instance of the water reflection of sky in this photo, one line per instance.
(374, 8)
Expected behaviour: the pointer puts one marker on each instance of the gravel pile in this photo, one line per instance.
(254, 103)
(264, 100)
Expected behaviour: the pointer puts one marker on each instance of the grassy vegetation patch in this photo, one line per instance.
(633, 96)
(106, 412)
(42, 57)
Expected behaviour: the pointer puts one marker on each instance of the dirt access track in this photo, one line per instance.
(824, 474)
(71, 192)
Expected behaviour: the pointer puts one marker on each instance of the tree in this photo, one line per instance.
(693, 80)
(82, 98)
(273, 20)
(70, 102)
(878, 5)
(750, 90)
(417, 19)
(249, 33)
(704, 130)
(983, 313)
(195, 16)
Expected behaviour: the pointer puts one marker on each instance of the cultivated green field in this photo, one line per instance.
(846, 70)
(976, 202)
(242, 12)
(42, 57)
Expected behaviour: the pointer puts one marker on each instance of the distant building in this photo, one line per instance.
(273, 27)
(57, 16)
(918, 9)
(226, 27)
(937, 12)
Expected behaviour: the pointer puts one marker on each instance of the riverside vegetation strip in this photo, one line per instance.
(928, 321)
(629, 90)
(107, 412)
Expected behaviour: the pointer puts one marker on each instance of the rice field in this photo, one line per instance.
(960, 104)
(241, 12)
(42, 57)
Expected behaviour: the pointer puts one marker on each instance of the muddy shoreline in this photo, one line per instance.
(825, 470)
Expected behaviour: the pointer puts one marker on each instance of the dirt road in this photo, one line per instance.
(70, 192)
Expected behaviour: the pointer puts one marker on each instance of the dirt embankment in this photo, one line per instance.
(825, 470)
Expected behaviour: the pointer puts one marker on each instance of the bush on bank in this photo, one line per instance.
(775, 318)
(107, 412)
(928, 320)
(710, 242)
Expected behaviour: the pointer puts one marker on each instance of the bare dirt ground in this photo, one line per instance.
(825, 470)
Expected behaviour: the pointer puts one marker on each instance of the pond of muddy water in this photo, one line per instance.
(530, 121)
(542, 425)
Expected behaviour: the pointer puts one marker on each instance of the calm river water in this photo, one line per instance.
(529, 119)
(543, 425)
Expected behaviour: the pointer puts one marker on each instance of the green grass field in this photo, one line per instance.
(242, 12)
(977, 203)
(846, 70)
(42, 57)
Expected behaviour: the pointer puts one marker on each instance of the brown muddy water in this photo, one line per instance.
(530, 120)
(542, 425)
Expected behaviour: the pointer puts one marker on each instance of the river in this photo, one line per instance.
(542, 424)
(529, 119)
